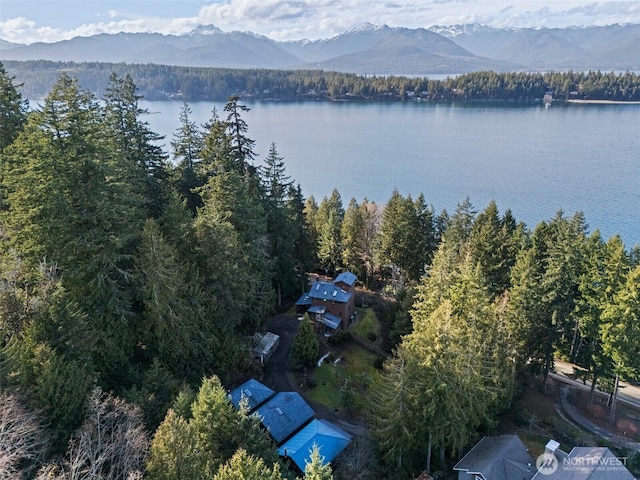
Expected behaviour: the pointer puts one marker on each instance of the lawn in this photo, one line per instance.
(347, 364)
(366, 327)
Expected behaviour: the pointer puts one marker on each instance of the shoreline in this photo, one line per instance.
(603, 102)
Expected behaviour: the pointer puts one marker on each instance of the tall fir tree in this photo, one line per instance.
(279, 227)
(241, 145)
(13, 109)
(67, 203)
(305, 347)
(606, 265)
(187, 146)
(137, 143)
(353, 239)
(328, 225)
(621, 331)
(304, 248)
(544, 290)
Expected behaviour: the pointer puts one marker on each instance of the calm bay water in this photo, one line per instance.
(532, 160)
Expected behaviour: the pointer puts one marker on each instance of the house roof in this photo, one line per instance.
(331, 321)
(283, 414)
(499, 458)
(329, 291)
(253, 391)
(347, 278)
(304, 300)
(330, 439)
(587, 463)
(317, 309)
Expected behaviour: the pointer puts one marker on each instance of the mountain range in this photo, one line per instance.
(369, 49)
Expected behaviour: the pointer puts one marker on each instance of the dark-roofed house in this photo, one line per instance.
(332, 304)
(497, 458)
(251, 391)
(582, 463)
(284, 414)
(330, 439)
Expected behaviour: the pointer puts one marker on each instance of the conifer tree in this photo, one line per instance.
(136, 143)
(329, 223)
(243, 466)
(279, 228)
(13, 109)
(174, 453)
(230, 201)
(67, 203)
(303, 246)
(407, 237)
(241, 145)
(175, 327)
(606, 265)
(187, 146)
(544, 290)
(393, 403)
(621, 331)
(316, 468)
(353, 238)
(311, 218)
(304, 349)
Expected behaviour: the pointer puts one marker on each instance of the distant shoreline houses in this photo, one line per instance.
(332, 304)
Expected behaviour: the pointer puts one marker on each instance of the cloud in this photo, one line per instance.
(314, 19)
(22, 30)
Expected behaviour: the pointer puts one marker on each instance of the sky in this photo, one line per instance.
(29, 21)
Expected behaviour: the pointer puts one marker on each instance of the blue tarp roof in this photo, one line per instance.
(330, 439)
(346, 277)
(317, 309)
(283, 414)
(329, 291)
(255, 392)
(331, 321)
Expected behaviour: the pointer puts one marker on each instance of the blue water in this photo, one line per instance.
(532, 160)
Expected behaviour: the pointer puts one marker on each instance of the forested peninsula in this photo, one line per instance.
(162, 82)
(134, 282)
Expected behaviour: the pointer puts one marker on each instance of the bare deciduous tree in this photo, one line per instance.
(111, 444)
(23, 441)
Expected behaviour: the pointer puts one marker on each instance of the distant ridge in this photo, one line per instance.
(368, 49)
(614, 47)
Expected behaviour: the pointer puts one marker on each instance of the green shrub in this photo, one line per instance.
(378, 363)
(372, 336)
(340, 337)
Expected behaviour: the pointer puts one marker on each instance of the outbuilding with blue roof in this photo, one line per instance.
(330, 439)
(252, 392)
(284, 414)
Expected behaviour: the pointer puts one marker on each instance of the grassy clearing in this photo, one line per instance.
(366, 327)
(348, 363)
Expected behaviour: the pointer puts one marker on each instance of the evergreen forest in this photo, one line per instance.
(161, 82)
(132, 280)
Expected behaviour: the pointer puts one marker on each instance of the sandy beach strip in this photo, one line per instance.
(604, 102)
